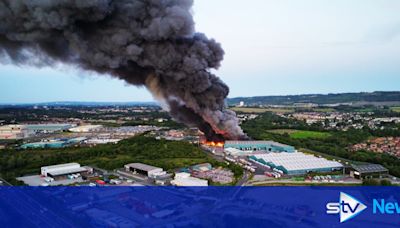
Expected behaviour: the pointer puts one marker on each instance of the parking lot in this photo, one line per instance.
(37, 180)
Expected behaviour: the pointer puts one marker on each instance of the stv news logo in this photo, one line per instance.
(347, 208)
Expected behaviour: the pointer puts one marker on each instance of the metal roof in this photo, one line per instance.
(61, 165)
(298, 161)
(369, 168)
(67, 171)
(234, 142)
(142, 166)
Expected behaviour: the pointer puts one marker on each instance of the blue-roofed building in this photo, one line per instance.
(48, 128)
(268, 146)
(53, 144)
(42, 145)
(296, 163)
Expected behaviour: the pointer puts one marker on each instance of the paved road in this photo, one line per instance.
(4, 182)
(246, 176)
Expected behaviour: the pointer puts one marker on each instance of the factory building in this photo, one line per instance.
(237, 153)
(63, 170)
(43, 145)
(48, 128)
(296, 163)
(144, 169)
(85, 128)
(13, 131)
(53, 144)
(184, 179)
(202, 167)
(368, 171)
(269, 146)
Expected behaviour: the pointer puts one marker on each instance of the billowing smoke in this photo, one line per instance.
(149, 43)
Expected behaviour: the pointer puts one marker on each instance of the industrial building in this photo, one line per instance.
(269, 146)
(63, 170)
(43, 145)
(85, 128)
(237, 153)
(53, 144)
(48, 128)
(147, 170)
(296, 163)
(368, 171)
(13, 131)
(202, 167)
(184, 179)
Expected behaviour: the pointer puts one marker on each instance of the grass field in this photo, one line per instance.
(261, 110)
(298, 134)
(309, 134)
(395, 109)
(283, 131)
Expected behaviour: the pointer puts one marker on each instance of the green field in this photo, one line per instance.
(262, 110)
(299, 134)
(396, 109)
(309, 134)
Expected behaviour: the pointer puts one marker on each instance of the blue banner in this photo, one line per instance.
(199, 207)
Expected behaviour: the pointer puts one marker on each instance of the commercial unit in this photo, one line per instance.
(48, 128)
(184, 179)
(144, 169)
(53, 144)
(202, 167)
(269, 146)
(43, 145)
(237, 153)
(13, 131)
(63, 170)
(296, 163)
(85, 128)
(368, 171)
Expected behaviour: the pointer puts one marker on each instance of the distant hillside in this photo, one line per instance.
(82, 103)
(320, 99)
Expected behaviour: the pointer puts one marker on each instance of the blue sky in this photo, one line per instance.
(273, 47)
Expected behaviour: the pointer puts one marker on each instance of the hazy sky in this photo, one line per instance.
(273, 47)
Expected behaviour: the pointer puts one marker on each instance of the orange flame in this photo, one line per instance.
(214, 144)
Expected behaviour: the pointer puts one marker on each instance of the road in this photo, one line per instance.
(245, 177)
(4, 182)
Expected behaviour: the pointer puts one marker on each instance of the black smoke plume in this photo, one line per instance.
(149, 43)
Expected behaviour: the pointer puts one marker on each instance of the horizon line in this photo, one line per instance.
(154, 101)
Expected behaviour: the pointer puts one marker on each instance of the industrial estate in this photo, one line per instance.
(140, 145)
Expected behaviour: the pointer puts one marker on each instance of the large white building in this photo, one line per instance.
(62, 170)
(13, 131)
(184, 179)
(85, 128)
(296, 163)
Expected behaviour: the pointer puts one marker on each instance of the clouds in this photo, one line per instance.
(269, 41)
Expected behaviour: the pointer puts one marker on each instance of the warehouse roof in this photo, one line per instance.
(234, 142)
(142, 166)
(61, 165)
(369, 168)
(67, 171)
(250, 142)
(298, 161)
